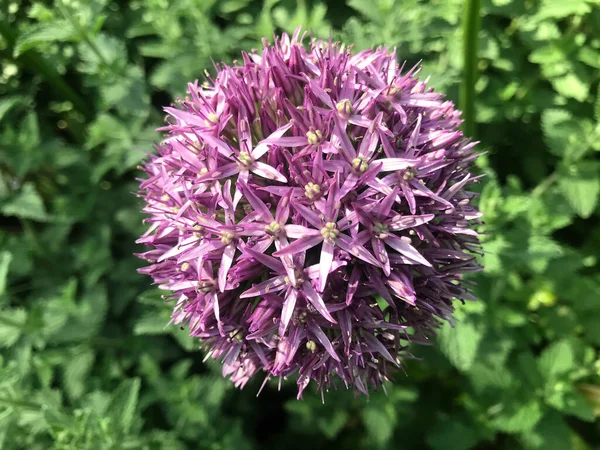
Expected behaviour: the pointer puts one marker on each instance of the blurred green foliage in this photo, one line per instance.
(85, 360)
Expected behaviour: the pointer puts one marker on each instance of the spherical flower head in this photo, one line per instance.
(309, 214)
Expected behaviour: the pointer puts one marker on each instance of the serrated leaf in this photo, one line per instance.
(580, 184)
(460, 344)
(123, 405)
(76, 371)
(540, 250)
(11, 326)
(571, 86)
(57, 30)
(27, 204)
(556, 360)
(518, 416)
(109, 50)
(561, 131)
(559, 9)
(151, 323)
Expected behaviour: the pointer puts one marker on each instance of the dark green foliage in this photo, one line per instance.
(85, 359)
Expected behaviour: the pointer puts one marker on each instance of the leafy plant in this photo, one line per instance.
(85, 360)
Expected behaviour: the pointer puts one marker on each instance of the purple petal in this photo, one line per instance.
(313, 272)
(287, 310)
(349, 184)
(409, 195)
(185, 118)
(256, 203)
(322, 338)
(315, 299)
(339, 131)
(400, 222)
(299, 245)
(393, 164)
(426, 192)
(384, 208)
(412, 141)
(200, 251)
(282, 213)
(345, 243)
(266, 171)
(381, 255)
(222, 147)
(375, 345)
(371, 138)
(299, 231)
(266, 287)
(353, 284)
(309, 215)
(226, 261)
(263, 146)
(272, 263)
(215, 302)
(325, 263)
(406, 249)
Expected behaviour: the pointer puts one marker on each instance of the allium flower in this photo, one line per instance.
(308, 213)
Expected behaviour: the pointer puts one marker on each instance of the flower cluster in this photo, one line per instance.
(308, 213)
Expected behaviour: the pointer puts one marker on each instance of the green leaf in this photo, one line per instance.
(380, 423)
(558, 359)
(76, 372)
(27, 204)
(333, 423)
(12, 322)
(518, 416)
(123, 405)
(5, 259)
(57, 30)
(452, 434)
(540, 250)
(152, 323)
(551, 433)
(571, 402)
(590, 57)
(460, 344)
(563, 135)
(580, 184)
(559, 9)
(571, 86)
(7, 103)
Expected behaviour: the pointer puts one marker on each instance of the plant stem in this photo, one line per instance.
(544, 184)
(471, 21)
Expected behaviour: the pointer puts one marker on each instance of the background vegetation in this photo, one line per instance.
(85, 360)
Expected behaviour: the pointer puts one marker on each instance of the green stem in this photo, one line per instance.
(35, 62)
(544, 185)
(471, 21)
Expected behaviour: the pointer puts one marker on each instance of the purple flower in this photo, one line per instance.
(308, 212)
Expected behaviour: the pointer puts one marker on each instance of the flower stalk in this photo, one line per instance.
(471, 24)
